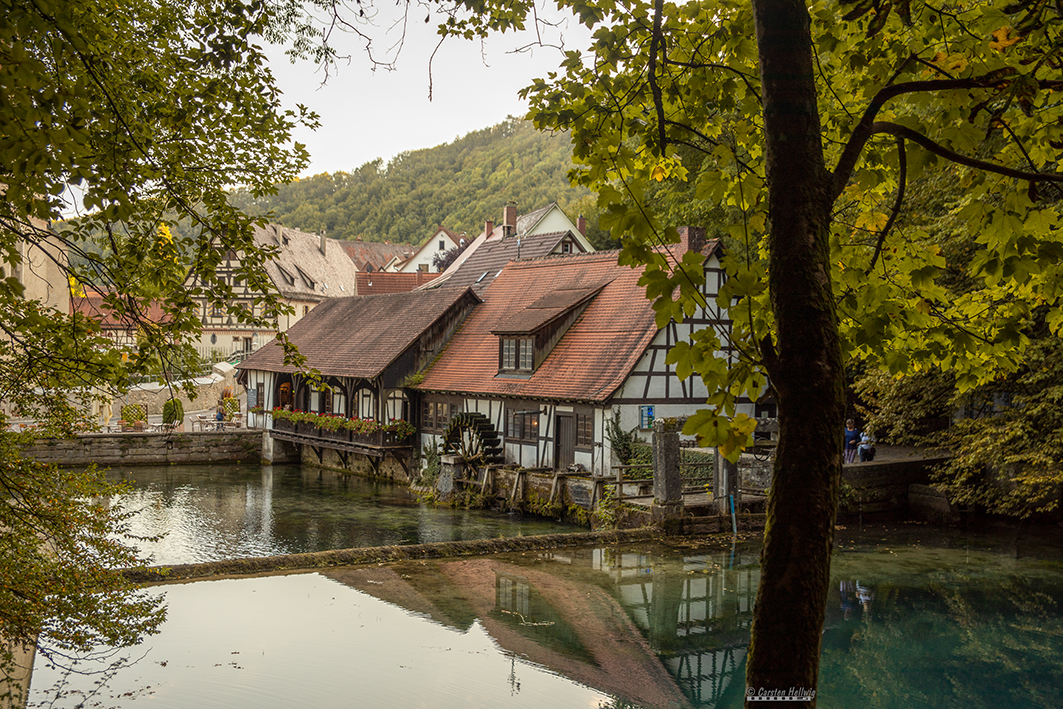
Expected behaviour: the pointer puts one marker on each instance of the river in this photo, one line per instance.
(917, 617)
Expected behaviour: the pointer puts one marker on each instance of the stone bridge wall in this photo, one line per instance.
(153, 449)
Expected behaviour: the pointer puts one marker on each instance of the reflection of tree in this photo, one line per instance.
(991, 643)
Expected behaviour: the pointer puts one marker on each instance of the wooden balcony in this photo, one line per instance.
(375, 444)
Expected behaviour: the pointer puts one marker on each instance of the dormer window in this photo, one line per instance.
(518, 354)
(289, 279)
(307, 280)
(527, 336)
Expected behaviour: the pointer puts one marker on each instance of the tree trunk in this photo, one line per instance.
(805, 364)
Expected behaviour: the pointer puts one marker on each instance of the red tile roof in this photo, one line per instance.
(359, 336)
(380, 283)
(589, 363)
(92, 305)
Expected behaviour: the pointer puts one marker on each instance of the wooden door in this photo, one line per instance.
(564, 442)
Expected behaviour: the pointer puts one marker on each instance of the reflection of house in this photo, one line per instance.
(620, 621)
(540, 233)
(307, 269)
(364, 349)
(560, 344)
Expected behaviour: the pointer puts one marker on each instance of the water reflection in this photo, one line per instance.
(912, 622)
(211, 513)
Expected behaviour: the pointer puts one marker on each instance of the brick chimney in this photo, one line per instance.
(692, 238)
(581, 224)
(324, 242)
(509, 220)
(489, 228)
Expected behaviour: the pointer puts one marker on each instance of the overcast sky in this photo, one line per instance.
(367, 114)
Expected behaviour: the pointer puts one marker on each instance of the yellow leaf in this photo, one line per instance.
(659, 173)
(872, 221)
(1001, 39)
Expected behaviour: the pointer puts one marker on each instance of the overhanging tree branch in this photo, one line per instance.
(864, 129)
(883, 127)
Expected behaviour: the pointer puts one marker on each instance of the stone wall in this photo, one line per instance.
(883, 487)
(111, 449)
(390, 468)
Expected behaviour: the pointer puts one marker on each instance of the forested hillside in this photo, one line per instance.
(457, 185)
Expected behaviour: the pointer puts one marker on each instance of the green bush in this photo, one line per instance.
(173, 411)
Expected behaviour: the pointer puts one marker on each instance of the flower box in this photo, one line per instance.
(308, 429)
(340, 434)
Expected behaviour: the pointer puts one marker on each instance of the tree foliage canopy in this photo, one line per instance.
(149, 112)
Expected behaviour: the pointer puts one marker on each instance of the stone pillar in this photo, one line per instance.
(450, 467)
(267, 447)
(667, 509)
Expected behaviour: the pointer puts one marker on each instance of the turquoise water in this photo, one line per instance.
(210, 513)
(917, 618)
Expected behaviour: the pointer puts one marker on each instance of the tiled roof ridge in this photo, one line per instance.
(390, 295)
(581, 256)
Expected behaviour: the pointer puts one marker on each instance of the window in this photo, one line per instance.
(398, 405)
(366, 404)
(518, 353)
(584, 430)
(306, 309)
(435, 415)
(566, 247)
(645, 417)
(442, 245)
(523, 424)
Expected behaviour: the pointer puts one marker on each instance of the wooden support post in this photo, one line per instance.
(516, 487)
(555, 486)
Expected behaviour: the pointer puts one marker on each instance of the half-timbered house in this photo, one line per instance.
(559, 345)
(306, 270)
(363, 349)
